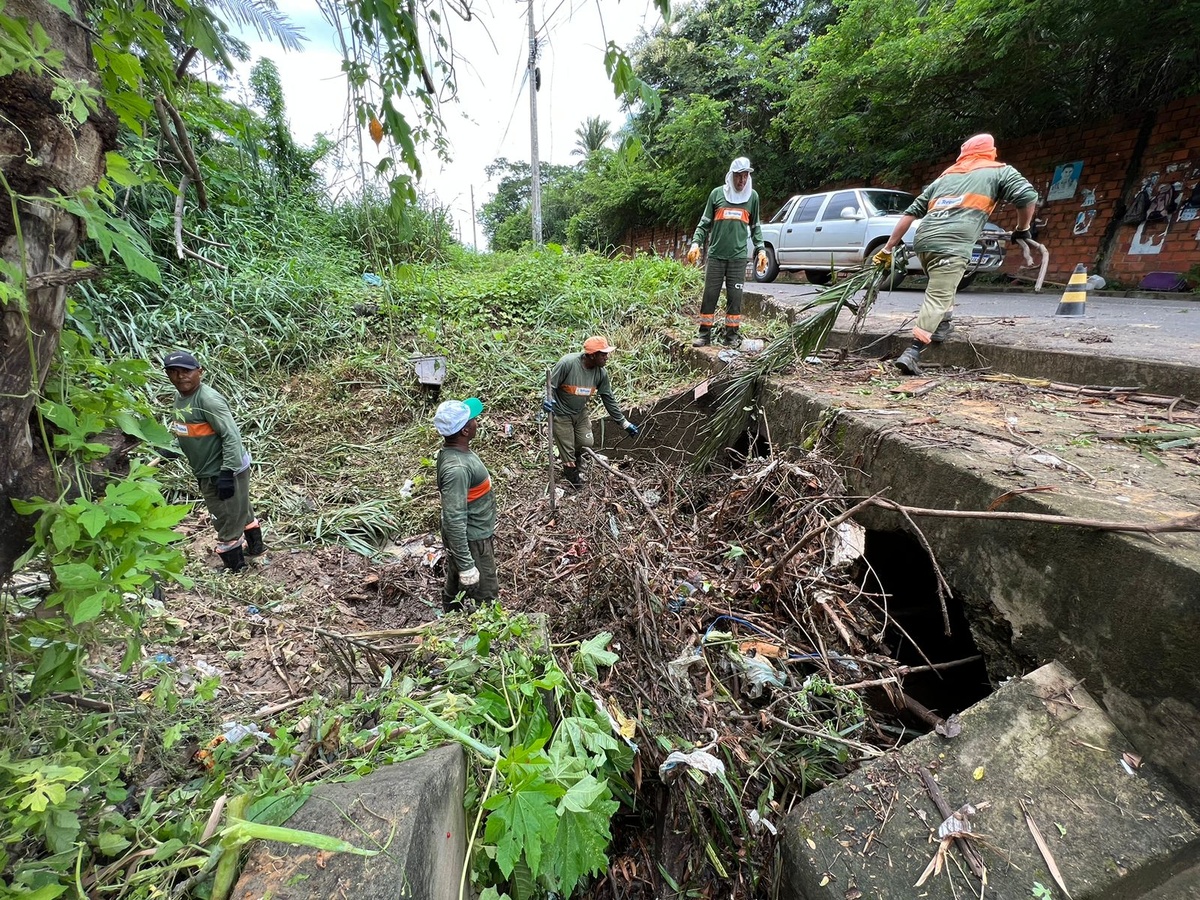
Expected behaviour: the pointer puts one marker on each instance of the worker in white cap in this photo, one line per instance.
(730, 220)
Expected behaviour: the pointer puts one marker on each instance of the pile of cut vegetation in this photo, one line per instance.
(718, 626)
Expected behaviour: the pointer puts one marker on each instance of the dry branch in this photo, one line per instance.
(62, 277)
(662, 529)
(1184, 523)
(939, 800)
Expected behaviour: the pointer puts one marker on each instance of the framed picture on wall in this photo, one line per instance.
(1066, 180)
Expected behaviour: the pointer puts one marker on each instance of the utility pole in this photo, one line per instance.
(474, 240)
(535, 174)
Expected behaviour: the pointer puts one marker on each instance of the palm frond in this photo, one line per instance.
(806, 338)
(265, 18)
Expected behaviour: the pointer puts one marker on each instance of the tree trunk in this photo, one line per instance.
(41, 155)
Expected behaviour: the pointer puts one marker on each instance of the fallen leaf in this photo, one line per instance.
(1045, 850)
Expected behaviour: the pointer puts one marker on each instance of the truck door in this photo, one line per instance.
(797, 234)
(839, 231)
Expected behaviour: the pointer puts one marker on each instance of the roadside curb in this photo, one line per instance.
(1082, 368)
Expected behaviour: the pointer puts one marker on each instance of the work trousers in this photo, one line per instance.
(572, 433)
(230, 517)
(944, 273)
(486, 590)
(730, 273)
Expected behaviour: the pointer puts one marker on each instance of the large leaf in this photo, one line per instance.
(579, 845)
(522, 820)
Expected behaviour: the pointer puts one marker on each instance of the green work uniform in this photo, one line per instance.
(572, 385)
(953, 210)
(212, 443)
(468, 525)
(729, 225)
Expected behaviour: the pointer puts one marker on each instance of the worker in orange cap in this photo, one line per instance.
(573, 381)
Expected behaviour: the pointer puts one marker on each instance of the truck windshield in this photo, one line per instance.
(888, 203)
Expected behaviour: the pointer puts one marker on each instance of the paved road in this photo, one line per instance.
(1132, 327)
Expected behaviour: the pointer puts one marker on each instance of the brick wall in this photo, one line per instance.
(1119, 158)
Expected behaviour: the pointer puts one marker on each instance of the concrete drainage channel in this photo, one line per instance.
(1082, 769)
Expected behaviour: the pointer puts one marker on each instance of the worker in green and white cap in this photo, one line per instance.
(468, 508)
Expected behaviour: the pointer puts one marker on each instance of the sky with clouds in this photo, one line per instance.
(490, 116)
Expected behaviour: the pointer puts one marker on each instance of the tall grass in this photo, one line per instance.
(317, 367)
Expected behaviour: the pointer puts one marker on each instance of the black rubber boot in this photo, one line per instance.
(703, 338)
(732, 338)
(571, 473)
(234, 559)
(254, 541)
(944, 330)
(909, 361)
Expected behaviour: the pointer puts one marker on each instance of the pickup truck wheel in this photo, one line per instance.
(818, 276)
(772, 267)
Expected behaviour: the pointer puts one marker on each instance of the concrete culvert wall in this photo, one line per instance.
(1122, 611)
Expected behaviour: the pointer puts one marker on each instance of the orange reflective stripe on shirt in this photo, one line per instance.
(735, 213)
(960, 201)
(192, 429)
(479, 490)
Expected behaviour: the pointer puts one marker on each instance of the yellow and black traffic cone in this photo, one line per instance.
(1074, 298)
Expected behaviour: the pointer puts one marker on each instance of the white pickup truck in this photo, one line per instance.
(820, 234)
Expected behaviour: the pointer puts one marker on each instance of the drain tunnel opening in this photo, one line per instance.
(899, 568)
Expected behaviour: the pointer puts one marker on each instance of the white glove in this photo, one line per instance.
(693, 254)
(469, 577)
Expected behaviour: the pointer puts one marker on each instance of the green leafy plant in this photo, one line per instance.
(99, 554)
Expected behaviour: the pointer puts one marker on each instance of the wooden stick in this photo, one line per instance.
(550, 446)
(276, 708)
(939, 800)
(1183, 523)
(192, 254)
(901, 671)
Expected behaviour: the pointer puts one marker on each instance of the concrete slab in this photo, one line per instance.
(1042, 739)
(414, 809)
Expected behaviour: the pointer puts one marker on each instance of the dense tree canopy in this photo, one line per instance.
(816, 91)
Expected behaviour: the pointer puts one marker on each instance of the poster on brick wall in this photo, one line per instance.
(1066, 180)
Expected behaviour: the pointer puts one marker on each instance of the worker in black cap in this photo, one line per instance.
(210, 440)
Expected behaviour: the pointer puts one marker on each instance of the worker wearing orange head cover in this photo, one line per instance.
(953, 211)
